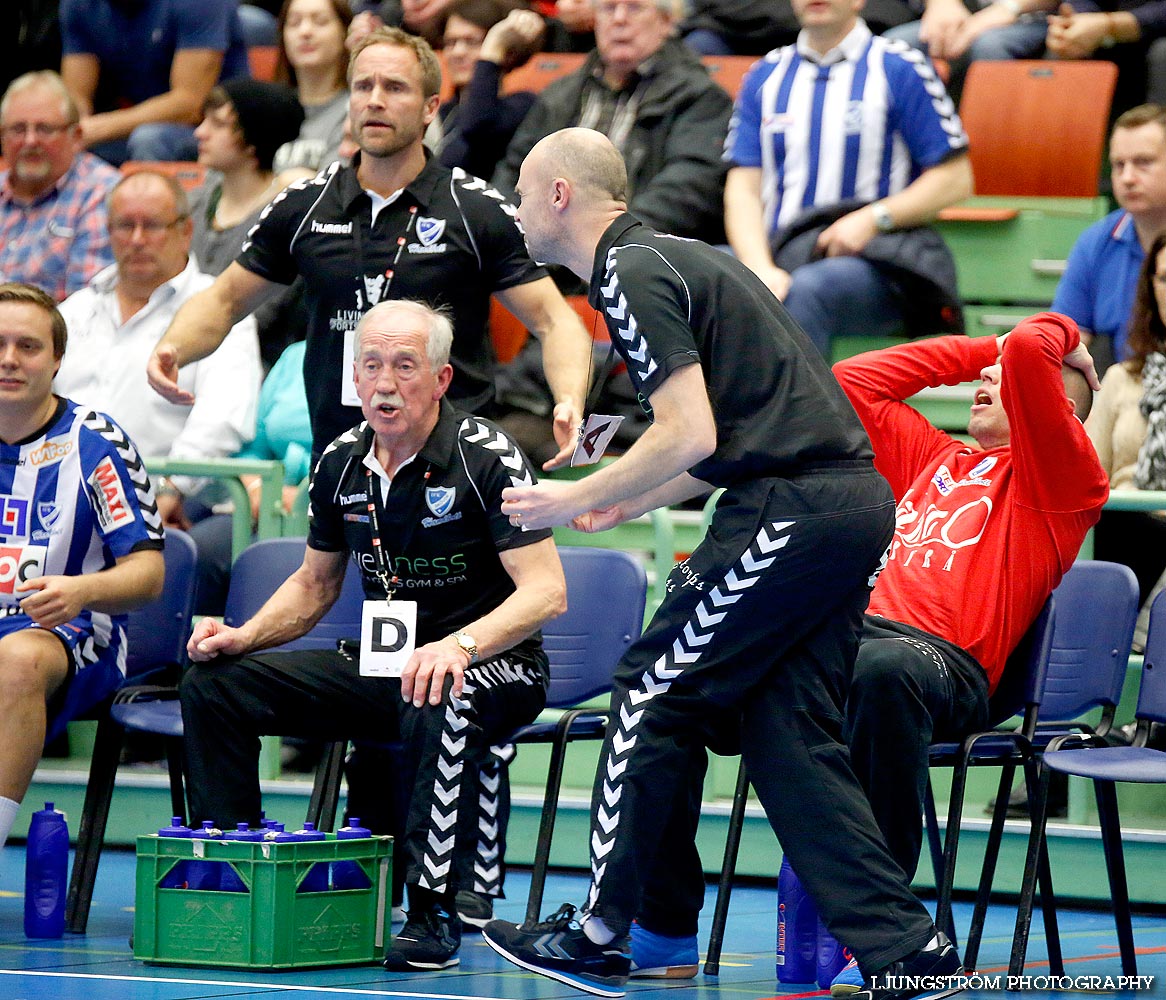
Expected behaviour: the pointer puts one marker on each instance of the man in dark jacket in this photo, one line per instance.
(657, 104)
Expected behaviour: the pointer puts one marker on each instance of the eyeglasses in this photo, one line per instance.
(42, 130)
(126, 228)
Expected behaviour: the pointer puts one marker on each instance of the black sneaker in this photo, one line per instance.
(429, 940)
(474, 909)
(935, 970)
(558, 948)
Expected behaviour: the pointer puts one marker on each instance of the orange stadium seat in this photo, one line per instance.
(543, 68)
(728, 71)
(1037, 127)
(262, 60)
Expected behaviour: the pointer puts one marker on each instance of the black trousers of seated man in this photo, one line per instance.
(318, 694)
(909, 689)
(762, 620)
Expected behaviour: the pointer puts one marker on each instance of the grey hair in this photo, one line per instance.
(439, 341)
(677, 9)
(48, 79)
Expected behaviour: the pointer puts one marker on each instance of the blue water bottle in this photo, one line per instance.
(46, 874)
(349, 874)
(206, 875)
(797, 929)
(832, 956)
(316, 879)
(179, 876)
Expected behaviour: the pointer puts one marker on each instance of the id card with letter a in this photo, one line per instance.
(388, 636)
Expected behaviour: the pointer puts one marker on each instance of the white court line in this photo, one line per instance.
(341, 990)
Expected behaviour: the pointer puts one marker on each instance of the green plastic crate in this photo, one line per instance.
(272, 925)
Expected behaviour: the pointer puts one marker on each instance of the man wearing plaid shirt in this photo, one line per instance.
(53, 195)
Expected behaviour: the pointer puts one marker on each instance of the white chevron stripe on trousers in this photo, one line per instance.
(686, 650)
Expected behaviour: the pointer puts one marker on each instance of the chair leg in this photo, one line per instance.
(955, 808)
(1044, 881)
(935, 848)
(1106, 794)
(988, 871)
(712, 964)
(326, 787)
(94, 817)
(1037, 810)
(176, 766)
(546, 826)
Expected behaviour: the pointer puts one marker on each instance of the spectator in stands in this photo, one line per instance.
(657, 104)
(52, 196)
(1126, 32)
(753, 27)
(842, 147)
(1128, 429)
(115, 322)
(314, 60)
(244, 123)
(1098, 286)
(484, 40)
(32, 39)
(961, 32)
(86, 556)
(141, 70)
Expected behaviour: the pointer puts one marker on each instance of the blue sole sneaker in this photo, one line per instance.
(934, 971)
(558, 948)
(655, 956)
(848, 982)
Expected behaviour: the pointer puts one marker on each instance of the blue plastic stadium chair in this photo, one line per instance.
(1091, 756)
(606, 595)
(1096, 607)
(154, 708)
(156, 642)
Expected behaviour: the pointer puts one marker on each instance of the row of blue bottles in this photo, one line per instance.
(46, 874)
(806, 951)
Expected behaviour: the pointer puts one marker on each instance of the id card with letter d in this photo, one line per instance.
(388, 636)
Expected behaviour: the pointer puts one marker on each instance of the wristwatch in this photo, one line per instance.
(466, 641)
(882, 217)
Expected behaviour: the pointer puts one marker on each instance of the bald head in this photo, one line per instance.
(571, 187)
(587, 159)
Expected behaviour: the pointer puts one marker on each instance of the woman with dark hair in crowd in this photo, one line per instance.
(482, 41)
(314, 60)
(1128, 429)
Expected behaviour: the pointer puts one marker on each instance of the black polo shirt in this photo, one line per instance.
(442, 535)
(448, 239)
(670, 302)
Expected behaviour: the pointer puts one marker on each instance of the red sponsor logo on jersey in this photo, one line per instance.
(105, 486)
(20, 563)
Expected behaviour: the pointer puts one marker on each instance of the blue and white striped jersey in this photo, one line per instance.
(72, 500)
(860, 123)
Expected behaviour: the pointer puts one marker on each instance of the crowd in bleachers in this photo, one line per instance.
(144, 141)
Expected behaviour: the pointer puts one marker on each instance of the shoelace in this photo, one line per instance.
(560, 920)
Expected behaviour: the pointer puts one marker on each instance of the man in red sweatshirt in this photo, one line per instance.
(983, 534)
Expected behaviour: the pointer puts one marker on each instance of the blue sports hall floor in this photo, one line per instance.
(100, 966)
